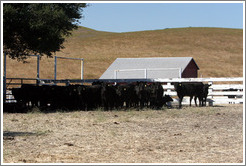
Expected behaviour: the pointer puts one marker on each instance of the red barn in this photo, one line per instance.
(191, 70)
(151, 68)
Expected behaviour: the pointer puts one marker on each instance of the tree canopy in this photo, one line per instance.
(38, 28)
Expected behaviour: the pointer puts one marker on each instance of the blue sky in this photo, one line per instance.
(127, 17)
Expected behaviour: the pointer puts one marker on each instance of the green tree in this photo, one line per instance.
(38, 28)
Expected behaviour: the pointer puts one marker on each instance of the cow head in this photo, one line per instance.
(167, 98)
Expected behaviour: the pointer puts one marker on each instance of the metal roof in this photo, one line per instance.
(151, 68)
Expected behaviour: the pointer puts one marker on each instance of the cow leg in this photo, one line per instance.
(196, 100)
(191, 97)
(29, 104)
(105, 105)
(200, 101)
(111, 105)
(204, 101)
(180, 101)
(141, 104)
(121, 104)
(127, 103)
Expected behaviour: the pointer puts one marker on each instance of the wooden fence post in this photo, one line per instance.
(4, 79)
(37, 79)
(210, 89)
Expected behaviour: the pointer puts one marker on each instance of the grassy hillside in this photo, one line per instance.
(217, 51)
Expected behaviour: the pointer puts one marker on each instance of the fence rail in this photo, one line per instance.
(222, 79)
(233, 93)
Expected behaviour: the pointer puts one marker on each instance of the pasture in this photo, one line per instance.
(187, 135)
(211, 48)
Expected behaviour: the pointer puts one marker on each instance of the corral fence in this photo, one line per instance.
(222, 90)
(9, 83)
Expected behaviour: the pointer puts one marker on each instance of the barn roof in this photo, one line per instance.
(139, 68)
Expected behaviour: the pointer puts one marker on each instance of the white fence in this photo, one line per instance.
(218, 93)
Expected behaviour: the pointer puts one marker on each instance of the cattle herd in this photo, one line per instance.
(107, 96)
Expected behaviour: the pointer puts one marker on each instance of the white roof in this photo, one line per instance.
(151, 68)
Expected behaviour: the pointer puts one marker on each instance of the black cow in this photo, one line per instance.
(156, 95)
(109, 97)
(126, 95)
(165, 100)
(28, 95)
(48, 96)
(52, 96)
(75, 95)
(31, 95)
(142, 90)
(204, 95)
(17, 93)
(189, 89)
(92, 96)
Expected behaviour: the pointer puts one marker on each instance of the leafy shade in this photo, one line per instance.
(38, 28)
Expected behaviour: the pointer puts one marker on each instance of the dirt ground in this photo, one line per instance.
(187, 135)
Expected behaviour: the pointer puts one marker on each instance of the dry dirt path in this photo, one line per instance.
(188, 135)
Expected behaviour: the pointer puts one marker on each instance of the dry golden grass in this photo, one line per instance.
(189, 135)
(217, 51)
